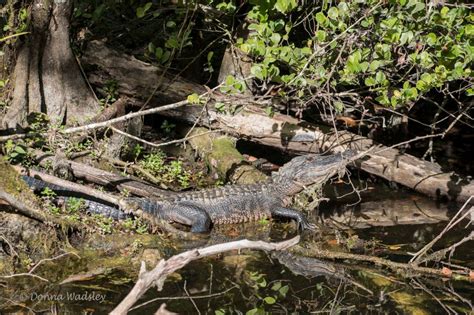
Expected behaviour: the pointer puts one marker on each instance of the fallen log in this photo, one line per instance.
(136, 79)
(104, 178)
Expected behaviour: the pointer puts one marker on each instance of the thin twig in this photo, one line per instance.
(107, 122)
(191, 298)
(157, 145)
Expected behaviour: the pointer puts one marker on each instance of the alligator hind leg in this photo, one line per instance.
(193, 215)
(295, 215)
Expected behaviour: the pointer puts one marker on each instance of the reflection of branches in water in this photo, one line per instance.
(450, 291)
(419, 285)
(31, 274)
(421, 256)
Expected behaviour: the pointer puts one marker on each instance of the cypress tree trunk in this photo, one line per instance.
(44, 74)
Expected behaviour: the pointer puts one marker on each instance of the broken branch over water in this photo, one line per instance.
(157, 276)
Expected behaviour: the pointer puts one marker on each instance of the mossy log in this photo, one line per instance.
(220, 154)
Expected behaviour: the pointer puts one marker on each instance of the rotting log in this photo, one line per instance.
(136, 79)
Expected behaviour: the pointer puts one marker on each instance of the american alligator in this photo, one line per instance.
(242, 203)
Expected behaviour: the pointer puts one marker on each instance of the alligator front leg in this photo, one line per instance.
(192, 215)
(295, 215)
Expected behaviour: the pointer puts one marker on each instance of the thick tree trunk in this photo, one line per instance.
(136, 79)
(46, 77)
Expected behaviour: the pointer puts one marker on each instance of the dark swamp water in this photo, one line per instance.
(255, 282)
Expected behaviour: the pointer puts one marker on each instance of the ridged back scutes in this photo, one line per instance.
(222, 192)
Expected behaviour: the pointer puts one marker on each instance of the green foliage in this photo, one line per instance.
(395, 51)
(267, 293)
(48, 193)
(135, 225)
(15, 153)
(232, 85)
(167, 127)
(109, 93)
(74, 205)
(172, 172)
(104, 224)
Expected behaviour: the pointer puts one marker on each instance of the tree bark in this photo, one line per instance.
(46, 77)
(136, 79)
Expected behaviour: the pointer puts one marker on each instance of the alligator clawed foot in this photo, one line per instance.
(305, 225)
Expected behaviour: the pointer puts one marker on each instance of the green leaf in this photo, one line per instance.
(193, 98)
(20, 150)
(380, 78)
(389, 23)
(469, 30)
(209, 56)
(258, 71)
(229, 80)
(285, 6)
(431, 39)
(151, 47)
(333, 13)
(165, 57)
(171, 24)
(374, 65)
(428, 78)
(444, 12)
(369, 81)
(219, 106)
(269, 300)
(276, 286)
(284, 290)
(338, 106)
(269, 111)
(419, 6)
(321, 35)
(253, 311)
(275, 38)
(148, 6)
(172, 43)
(406, 37)
(140, 12)
(321, 18)
(158, 53)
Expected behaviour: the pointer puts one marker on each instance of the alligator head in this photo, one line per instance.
(310, 169)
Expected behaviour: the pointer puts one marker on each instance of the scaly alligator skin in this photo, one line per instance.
(243, 203)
